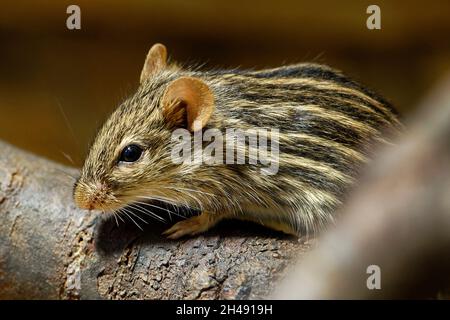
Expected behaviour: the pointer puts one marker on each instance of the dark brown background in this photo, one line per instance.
(46, 68)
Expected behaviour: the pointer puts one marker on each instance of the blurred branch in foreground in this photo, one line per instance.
(398, 219)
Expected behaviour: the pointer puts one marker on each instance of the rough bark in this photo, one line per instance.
(49, 249)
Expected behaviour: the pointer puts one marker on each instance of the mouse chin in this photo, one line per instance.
(102, 207)
(110, 208)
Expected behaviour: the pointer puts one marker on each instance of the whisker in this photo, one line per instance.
(161, 208)
(114, 215)
(181, 190)
(131, 219)
(118, 215)
(151, 205)
(67, 122)
(137, 216)
(166, 200)
(149, 213)
(68, 157)
(68, 175)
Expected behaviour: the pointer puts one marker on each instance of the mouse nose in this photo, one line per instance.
(96, 199)
(90, 197)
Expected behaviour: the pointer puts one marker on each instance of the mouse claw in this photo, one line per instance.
(191, 226)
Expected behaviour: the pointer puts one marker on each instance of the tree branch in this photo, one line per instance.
(49, 249)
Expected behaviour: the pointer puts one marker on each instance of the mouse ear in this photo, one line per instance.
(188, 98)
(155, 61)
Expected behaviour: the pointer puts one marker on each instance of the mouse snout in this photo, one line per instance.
(91, 197)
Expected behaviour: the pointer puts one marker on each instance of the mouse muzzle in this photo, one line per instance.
(92, 196)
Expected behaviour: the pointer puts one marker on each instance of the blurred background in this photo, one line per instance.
(58, 85)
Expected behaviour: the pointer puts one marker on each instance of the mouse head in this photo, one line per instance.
(130, 158)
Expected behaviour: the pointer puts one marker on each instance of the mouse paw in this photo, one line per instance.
(191, 226)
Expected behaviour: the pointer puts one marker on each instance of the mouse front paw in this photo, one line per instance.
(191, 226)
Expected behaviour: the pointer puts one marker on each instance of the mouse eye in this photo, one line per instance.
(130, 153)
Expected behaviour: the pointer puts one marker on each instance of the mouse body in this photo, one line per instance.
(326, 128)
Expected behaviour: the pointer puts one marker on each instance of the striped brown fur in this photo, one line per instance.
(328, 126)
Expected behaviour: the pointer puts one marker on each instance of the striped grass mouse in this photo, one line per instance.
(327, 127)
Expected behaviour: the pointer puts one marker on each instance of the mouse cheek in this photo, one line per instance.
(119, 183)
